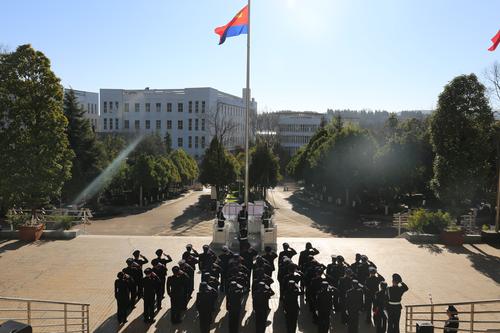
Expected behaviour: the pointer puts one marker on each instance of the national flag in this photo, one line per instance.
(496, 41)
(237, 26)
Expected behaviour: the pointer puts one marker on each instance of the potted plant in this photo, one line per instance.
(489, 236)
(453, 236)
(30, 227)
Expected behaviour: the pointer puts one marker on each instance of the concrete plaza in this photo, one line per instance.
(84, 269)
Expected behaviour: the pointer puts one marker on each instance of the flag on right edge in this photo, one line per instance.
(496, 41)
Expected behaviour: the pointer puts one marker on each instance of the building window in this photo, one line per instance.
(179, 142)
(190, 142)
(105, 123)
(190, 124)
(88, 107)
(126, 124)
(158, 124)
(203, 124)
(110, 123)
(190, 107)
(148, 124)
(125, 106)
(116, 124)
(202, 106)
(196, 124)
(105, 109)
(148, 107)
(196, 143)
(137, 124)
(137, 107)
(110, 106)
(196, 106)
(169, 107)
(169, 124)
(179, 124)
(158, 107)
(203, 142)
(180, 107)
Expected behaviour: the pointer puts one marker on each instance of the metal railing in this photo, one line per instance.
(474, 316)
(46, 316)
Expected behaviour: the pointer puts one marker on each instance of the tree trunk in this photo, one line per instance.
(140, 196)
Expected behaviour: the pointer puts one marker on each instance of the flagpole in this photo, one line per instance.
(247, 114)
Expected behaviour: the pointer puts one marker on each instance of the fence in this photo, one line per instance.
(400, 220)
(46, 316)
(474, 316)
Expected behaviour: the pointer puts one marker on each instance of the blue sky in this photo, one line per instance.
(306, 54)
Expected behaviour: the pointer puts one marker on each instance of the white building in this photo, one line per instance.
(192, 116)
(295, 129)
(89, 101)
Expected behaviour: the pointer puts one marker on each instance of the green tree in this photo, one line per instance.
(35, 155)
(144, 175)
(264, 169)
(461, 136)
(218, 168)
(186, 166)
(89, 155)
(168, 142)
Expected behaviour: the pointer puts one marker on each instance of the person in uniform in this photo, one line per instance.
(190, 256)
(189, 270)
(248, 256)
(151, 285)
(234, 305)
(394, 296)
(371, 288)
(291, 305)
(270, 256)
(288, 252)
(160, 272)
(140, 261)
(452, 323)
(354, 304)
(205, 303)
(345, 283)
(243, 218)
(177, 287)
(379, 308)
(224, 258)
(260, 296)
(266, 217)
(324, 306)
(122, 296)
(206, 258)
(135, 275)
(304, 255)
(221, 219)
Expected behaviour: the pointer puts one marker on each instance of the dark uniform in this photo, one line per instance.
(161, 272)
(224, 258)
(291, 305)
(261, 296)
(189, 270)
(151, 284)
(354, 304)
(135, 273)
(207, 259)
(324, 305)
(371, 288)
(394, 295)
(452, 323)
(287, 252)
(345, 283)
(379, 308)
(205, 303)
(140, 260)
(243, 219)
(122, 295)
(234, 305)
(266, 217)
(177, 287)
(270, 256)
(221, 219)
(304, 255)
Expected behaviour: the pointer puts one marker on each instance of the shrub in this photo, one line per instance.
(63, 221)
(429, 222)
(17, 219)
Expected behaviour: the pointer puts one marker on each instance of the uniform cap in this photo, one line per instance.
(147, 271)
(452, 309)
(119, 275)
(340, 258)
(286, 244)
(129, 261)
(396, 277)
(364, 258)
(189, 246)
(372, 269)
(205, 246)
(158, 252)
(175, 269)
(383, 285)
(136, 252)
(268, 249)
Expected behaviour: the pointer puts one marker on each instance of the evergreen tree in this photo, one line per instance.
(89, 154)
(35, 158)
(264, 169)
(462, 140)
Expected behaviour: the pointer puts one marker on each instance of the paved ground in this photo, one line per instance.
(189, 216)
(84, 269)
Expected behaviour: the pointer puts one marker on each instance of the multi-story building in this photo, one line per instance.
(191, 116)
(89, 102)
(295, 129)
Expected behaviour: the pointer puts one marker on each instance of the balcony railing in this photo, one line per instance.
(46, 316)
(474, 316)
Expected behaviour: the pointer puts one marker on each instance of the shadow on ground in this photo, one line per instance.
(338, 221)
(487, 264)
(193, 214)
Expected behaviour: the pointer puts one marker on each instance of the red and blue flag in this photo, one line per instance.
(237, 26)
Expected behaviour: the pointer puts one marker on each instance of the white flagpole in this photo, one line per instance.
(247, 115)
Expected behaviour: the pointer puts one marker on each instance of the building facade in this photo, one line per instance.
(89, 102)
(295, 129)
(191, 116)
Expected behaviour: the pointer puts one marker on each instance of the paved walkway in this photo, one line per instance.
(83, 270)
